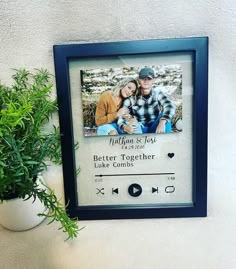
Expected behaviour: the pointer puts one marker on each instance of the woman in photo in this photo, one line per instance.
(109, 107)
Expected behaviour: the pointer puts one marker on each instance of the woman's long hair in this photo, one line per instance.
(121, 84)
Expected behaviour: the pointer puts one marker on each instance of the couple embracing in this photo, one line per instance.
(133, 109)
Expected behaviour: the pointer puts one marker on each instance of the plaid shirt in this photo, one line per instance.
(146, 109)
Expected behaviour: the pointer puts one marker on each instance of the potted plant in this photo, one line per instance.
(28, 145)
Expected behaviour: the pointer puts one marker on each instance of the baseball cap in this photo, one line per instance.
(146, 72)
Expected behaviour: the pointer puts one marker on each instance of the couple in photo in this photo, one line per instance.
(134, 107)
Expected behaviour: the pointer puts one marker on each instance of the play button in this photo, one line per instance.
(135, 190)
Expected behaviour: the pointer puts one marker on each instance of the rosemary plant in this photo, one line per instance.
(26, 145)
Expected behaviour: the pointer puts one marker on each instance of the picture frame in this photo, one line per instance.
(146, 175)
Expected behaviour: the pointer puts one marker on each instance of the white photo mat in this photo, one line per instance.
(152, 168)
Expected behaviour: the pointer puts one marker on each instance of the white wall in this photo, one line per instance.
(29, 29)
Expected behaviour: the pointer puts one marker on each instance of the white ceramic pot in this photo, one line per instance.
(19, 215)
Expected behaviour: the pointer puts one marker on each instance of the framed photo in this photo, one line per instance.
(138, 111)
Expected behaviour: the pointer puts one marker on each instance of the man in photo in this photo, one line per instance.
(151, 107)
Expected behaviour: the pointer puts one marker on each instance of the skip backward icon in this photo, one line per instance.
(116, 190)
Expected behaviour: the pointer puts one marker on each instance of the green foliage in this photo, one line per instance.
(26, 144)
(57, 211)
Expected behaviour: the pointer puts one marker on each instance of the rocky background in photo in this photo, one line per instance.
(94, 82)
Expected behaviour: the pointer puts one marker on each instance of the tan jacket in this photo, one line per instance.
(106, 110)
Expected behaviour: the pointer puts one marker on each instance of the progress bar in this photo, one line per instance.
(145, 174)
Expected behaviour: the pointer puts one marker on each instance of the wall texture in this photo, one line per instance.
(29, 29)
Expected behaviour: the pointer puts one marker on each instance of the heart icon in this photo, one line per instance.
(171, 155)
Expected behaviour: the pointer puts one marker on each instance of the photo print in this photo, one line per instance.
(132, 100)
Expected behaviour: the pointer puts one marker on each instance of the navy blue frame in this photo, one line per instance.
(199, 47)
